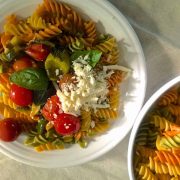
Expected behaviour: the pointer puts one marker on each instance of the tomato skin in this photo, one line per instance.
(39, 52)
(67, 124)
(21, 96)
(9, 130)
(22, 63)
(52, 108)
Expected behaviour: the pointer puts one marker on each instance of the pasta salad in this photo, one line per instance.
(59, 78)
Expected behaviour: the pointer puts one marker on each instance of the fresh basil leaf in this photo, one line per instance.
(40, 97)
(31, 78)
(41, 126)
(91, 56)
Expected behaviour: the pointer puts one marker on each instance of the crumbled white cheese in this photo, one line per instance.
(116, 67)
(90, 89)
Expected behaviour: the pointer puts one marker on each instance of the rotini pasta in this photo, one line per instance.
(37, 22)
(145, 173)
(106, 113)
(90, 30)
(173, 170)
(48, 32)
(167, 157)
(85, 120)
(168, 98)
(115, 78)
(48, 147)
(160, 130)
(7, 112)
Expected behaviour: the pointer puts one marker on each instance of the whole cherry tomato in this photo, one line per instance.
(67, 124)
(52, 108)
(39, 52)
(21, 96)
(22, 63)
(9, 130)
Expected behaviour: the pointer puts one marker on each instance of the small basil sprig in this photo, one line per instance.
(31, 78)
(91, 56)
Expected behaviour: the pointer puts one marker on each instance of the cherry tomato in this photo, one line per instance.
(66, 78)
(21, 96)
(66, 124)
(38, 51)
(22, 63)
(9, 130)
(52, 108)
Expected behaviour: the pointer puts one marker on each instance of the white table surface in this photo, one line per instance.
(157, 24)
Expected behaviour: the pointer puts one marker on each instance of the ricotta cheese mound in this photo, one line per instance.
(89, 90)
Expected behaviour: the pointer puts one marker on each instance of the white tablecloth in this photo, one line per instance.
(157, 24)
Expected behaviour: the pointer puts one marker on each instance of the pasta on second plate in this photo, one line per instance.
(157, 145)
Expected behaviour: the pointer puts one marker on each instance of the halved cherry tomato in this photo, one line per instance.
(65, 79)
(67, 124)
(39, 52)
(22, 63)
(9, 130)
(52, 108)
(21, 96)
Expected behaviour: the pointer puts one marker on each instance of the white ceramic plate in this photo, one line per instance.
(109, 20)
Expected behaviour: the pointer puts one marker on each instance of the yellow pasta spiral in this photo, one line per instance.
(146, 173)
(100, 127)
(21, 29)
(90, 29)
(48, 147)
(106, 46)
(8, 112)
(48, 32)
(4, 83)
(85, 120)
(63, 23)
(106, 113)
(4, 98)
(160, 168)
(116, 78)
(162, 123)
(37, 22)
